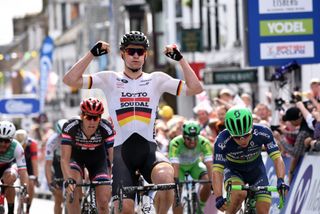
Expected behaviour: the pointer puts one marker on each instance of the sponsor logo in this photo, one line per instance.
(286, 27)
(283, 50)
(284, 6)
(302, 191)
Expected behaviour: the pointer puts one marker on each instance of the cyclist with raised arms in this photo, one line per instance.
(87, 144)
(52, 166)
(237, 158)
(11, 153)
(132, 97)
(185, 155)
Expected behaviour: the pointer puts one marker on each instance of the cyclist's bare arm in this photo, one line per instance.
(279, 167)
(209, 168)
(193, 84)
(48, 171)
(73, 77)
(217, 183)
(24, 178)
(65, 159)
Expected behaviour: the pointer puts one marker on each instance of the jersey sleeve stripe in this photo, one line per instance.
(90, 82)
(218, 168)
(179, 89)
(274, 155)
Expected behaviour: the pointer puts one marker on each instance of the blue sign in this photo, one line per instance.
(19, 106)
(46, 52)
(282, 31)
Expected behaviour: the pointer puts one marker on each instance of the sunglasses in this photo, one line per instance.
(190, 138)
(5, 140)
(92, 117)
(132, 51)
(242, 137)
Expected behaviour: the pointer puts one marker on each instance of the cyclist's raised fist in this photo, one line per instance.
(100, 48)
(173, 52)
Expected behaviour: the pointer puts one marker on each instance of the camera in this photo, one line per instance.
(280, 72)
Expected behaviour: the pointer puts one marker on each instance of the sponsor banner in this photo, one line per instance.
(304, 193)
(272, 177)
(287, 50)
(19, 106)
(286, 27)
(46, 52)
(280, 6)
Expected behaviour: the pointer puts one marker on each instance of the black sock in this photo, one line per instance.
(28, 207)
(11, 208)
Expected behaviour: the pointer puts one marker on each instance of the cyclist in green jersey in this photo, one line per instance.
(185, 155)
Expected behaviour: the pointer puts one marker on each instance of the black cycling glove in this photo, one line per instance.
(97, 51)
(68, 182)
(175, 55)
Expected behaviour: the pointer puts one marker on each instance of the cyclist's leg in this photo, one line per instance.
(77, 174)
(58, 193)
(158, 170)
(179, 209)
(237, 197)
(163, 173)
(9, 177)
(122, 176)
(99, 172)
(199, 171)
(58, 200)
(263, 198)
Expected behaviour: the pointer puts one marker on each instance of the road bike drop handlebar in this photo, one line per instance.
(248, 188)
(91, 184)
(147, 188)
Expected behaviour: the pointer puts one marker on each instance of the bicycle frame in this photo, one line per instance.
(88, 205)
(251, 190)
(22, 193)
(192, 198)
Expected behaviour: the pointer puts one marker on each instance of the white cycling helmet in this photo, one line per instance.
(21, 135)
(59, 125)
(7, 130)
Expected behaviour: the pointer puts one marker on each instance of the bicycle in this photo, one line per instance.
(22, 193)
(250, 201)
(191, 199)
(144, 190)
(88, 203)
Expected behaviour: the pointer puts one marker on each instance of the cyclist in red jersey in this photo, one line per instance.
(30, 147)
(133, 97)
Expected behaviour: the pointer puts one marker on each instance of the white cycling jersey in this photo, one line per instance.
(53, 146)
(133, 103)
(15, 153)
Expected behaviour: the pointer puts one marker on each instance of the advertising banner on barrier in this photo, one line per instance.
(304, 195)
(272, 177)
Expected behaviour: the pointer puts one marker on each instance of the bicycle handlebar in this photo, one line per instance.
(247, 188)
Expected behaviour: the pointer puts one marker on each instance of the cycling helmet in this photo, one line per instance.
(238, 121)
(59, 125)
(92, 106)
(21, 135)
(191, 129)
(7, 130)
(134, 38)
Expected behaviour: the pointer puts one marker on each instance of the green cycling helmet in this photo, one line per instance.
(238, 121)
(191, 129)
